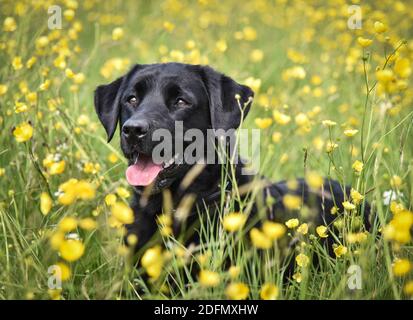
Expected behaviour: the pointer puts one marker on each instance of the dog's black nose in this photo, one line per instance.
(135, 129)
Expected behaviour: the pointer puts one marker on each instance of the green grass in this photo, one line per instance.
(312, 35)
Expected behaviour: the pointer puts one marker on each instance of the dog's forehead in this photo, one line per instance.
(167, 72)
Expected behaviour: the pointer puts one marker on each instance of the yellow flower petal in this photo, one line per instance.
(237, 291)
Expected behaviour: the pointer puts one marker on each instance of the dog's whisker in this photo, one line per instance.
(136, 159)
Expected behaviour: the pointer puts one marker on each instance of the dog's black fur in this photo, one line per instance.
(155, 96)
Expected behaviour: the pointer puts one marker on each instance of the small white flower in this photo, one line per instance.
(72, 236)
(391, 195)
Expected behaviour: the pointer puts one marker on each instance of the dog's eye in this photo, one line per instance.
(132, 100)
(181, 103)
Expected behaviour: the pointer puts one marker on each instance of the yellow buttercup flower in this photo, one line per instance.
(250, 34)
(90, 167)
(292, 223)
(284, 158)
(276, 137)
(209, 278)
(110, 199)
(302, 260)
(65, 272)
(9, 24)
(74, 189)
(401, 267)
(122, 192)
(69, 14)
(273, 230)
(398, 229)
(57, 167)
(113, 158)
(356, 196)
(3, 89)
(56, 239)
(259, 239)
(83, 120)
(402, 68)
(408, 288)
(348, 205)
(314, 180)
(357, 166)
(364, 42)
(20, 107)
(331, 146)
(17, 63)
(295, 72)
(322, 231)
(164, 219)
(42, 42)
(397, 208)
(303, 229)
(298, 277)
(153, 261)
(384, 76)
(122, 212)
(45, 203)
(54, 294)
(31, 62)
(292, 202)
(356, 237)
(168, 26)
(71, 250)
(23, 132)
(88, 224)
(234, 221)
(263, 123)
(340, 250)
(281, 118)
(234, 271)
(396, 181)
(203, 258)
(117, 34)
(292, 184)
(69, 73)
(165, 224)
(45, 85)
(67, 224)
(79, 78)
(301, 119)
(350, 132)
(237, 291)
(32, 98)
(221, 45)
(329, 123)
(379, 27)
(256, 55)
(132, 239)
(269, 291)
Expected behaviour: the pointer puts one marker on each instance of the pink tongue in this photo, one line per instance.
(143, 173)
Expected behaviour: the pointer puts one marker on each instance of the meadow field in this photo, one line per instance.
(333, 98)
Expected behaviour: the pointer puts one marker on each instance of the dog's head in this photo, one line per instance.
(151, 99)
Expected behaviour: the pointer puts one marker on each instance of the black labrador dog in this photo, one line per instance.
(157, 96)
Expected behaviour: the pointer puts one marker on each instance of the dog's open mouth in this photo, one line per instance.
(144, 171)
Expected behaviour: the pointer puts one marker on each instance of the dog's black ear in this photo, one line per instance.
(107, 101)
(225, 108)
